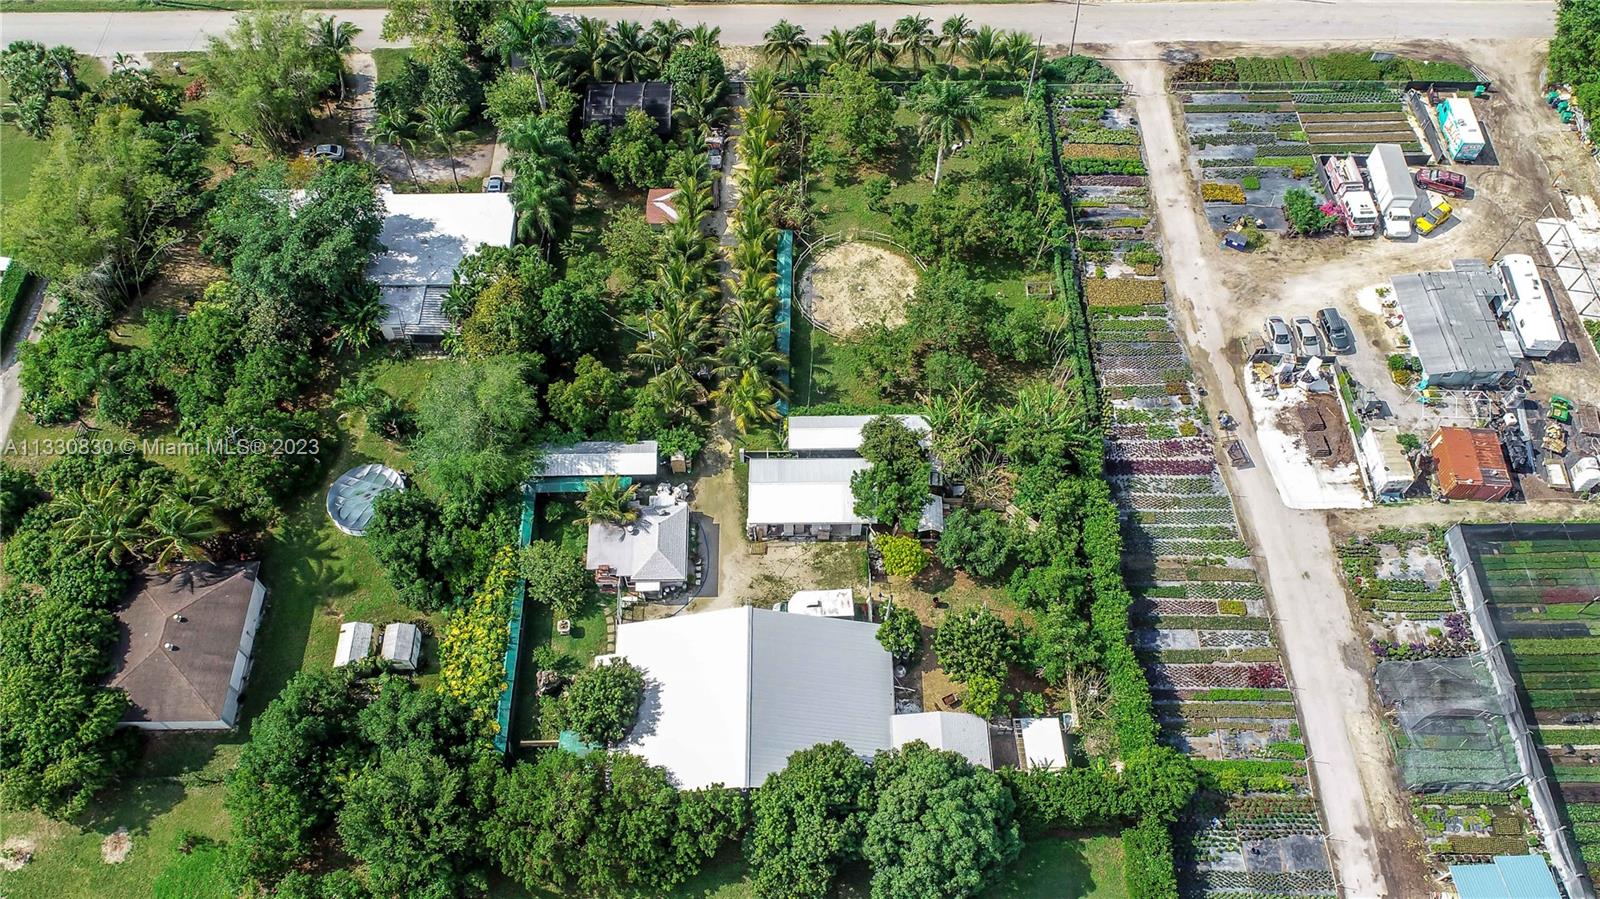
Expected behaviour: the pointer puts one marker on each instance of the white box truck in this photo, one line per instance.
(1392, 189)
(1527, 306)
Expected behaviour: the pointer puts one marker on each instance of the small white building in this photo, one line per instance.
(1042, 743)
(811, 497)
(602, 458)
(731, 694)
(823, 603)
(425, 236)
(355, 643)
(1527, 306)
(961, 732)
(402, 645)
(823, 434)
(1384, 461)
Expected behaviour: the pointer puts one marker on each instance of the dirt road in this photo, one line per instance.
(1368, 822)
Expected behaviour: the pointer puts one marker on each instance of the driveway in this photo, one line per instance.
(1368, 820)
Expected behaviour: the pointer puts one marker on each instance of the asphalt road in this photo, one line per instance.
(102, 34)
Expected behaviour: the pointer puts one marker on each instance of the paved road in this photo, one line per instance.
(1324, 650)
(102, 34)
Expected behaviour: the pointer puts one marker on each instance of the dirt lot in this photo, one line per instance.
(856, 284)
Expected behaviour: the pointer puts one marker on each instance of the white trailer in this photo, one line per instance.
(1392, 189)
(1527, 306)
(1463, 136)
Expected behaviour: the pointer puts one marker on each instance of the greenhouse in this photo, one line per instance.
(351, 497)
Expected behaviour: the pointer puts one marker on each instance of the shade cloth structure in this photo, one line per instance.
(1507, 877)
(1452, 732)
(351, 497)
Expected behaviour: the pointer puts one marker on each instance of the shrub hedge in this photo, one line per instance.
(13, 287)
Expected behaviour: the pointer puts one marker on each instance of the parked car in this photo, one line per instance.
(494, 184)
(1434, 217)
(330, 152)
(1279, 338)
(1451, 184)
(1310, 341)
(714, 142)
(1340, 340)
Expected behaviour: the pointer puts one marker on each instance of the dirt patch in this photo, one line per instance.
(16, 852)
(854, 284)
(114, 848)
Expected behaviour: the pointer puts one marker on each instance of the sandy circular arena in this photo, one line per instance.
(854, 284)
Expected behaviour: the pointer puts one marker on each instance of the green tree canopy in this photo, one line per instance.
(850, 118)
(475, 424)
(901, 634)
(807, 820)
(268, 72)
(602, 702)
(555, 576)
(975, 642)
(894, 490)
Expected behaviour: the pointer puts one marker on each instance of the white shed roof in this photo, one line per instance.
(1044, 744)
(1531, 313)
(355, 643)
(814, 491)
(597, 458)
(839, 603)
(731, 694)
(425, 236)
(961, 732)
(839, 432)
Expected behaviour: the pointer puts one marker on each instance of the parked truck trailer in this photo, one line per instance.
(1392, 189)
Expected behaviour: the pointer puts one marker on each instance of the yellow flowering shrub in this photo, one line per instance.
(472, 646)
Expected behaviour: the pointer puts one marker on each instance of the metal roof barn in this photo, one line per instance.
(815, 492)
(840, 433)
(599, 458)
(1449, 317)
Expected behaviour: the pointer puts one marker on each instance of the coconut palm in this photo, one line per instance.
(677, 393)
(706, 37)
(983, 50)
(106, 520)
(539, 194)
(442, 124)
(538, 142)
(752, 400)
(679, 333)
(332, 39)
(609, 501)
(838, 48)
(396, 128)
(664, 38)
(954, 36)
(786, 46)
(699, 104)
(945, 110)
(914, 39)
(1018, 51)
(591, 47)
(178, 530)
(761, 92)
(527, 29)
(630, 58)
(750, 342)
(356, 322)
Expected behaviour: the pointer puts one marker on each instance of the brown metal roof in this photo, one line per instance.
(1470, 456)
(190, 681)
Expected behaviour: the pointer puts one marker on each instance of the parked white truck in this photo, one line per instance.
(1527, 306)
(1392, 189)
(1350, 192)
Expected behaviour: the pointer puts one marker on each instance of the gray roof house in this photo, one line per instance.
(1450, 320)
(650, 555)
(425, 236)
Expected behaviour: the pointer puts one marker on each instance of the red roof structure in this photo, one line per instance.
(1471, 463)
(659, 208)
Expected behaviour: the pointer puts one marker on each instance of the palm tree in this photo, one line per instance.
(538, 142)
(332, 40)
(664, 38)
(838, 47)
(630, 58)
(678, 393)
(913, 36)
(106, 520)
(761, 92)
(706, 37)
(946, 110)
(591, 47)
(396, 128)
(679, 334)
(356, 322)
(699, 104)
(752, 400)
(540, 197)
(750, 342)
(442, 122)
(954, 35)
(526, 28)
(1018, 50)
(983, 49)
(609, 501)
(786, 46)
(178, 530)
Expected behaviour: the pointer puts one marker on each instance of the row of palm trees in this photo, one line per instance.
(596, 50)
(912, 42)
(750, 360)
(118, 524)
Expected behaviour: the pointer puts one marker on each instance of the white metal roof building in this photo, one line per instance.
(840, 433)
(402, 645)
(961, 732)
(598, 458)
(839, 603)
(1043, 743)
(355, 643)
(1532, 317)
(425, 236)
(731, 694)
(812, 497)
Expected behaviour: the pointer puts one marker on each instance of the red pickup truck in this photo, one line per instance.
(1448, 183)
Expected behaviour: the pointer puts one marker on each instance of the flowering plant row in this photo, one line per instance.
(472, 645)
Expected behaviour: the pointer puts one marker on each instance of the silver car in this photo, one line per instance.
(1280, 339)
(1310, 341)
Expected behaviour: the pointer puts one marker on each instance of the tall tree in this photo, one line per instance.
(630, 58)
(397, 129)
(444, 124)
(894, 490)
(589, 54)
(954, 35)
(267, 72)
(475, 421)
(332, 40)
(914, 38)
(609, 501)
(752, 400)
(664, 38)
(946, 110)
(786, 46)
(807, 820)
(602, 703)
(526, 28)
(984, 50)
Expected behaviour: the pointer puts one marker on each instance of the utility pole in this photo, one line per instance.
(1077, 10)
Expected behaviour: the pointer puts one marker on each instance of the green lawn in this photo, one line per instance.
(388, 59)
(19, 155)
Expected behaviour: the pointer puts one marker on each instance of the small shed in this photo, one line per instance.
(659, 206)
(1471, 464)
(1506, 877)
(355, 643)
(1042, 743)
(839, 603)
(1388, 468)
(402, 645)
(961, 732)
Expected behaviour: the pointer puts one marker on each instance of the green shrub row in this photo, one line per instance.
(1103, 166)
(1244, 694)
(1211, 623)
(1274, 710)
(1555, 646)
(13, 291)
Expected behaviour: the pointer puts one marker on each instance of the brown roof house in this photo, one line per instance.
(659, 208)
(184, 642)
(1470, 463)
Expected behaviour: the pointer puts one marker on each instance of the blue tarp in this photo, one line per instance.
(785, 303)
(502, 736)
